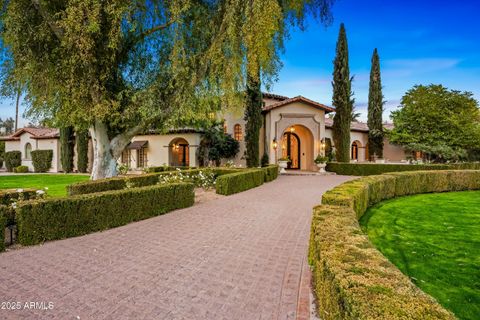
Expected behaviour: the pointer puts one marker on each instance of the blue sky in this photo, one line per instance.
(419, 42)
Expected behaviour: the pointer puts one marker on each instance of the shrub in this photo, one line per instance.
(367, 169)
(1, 162)
(51, 219)
(21, 169)
(13, 159)
(9, 196)
(240, 181)
(82, 150)
(264, 161)
(3, 224)
(42, 160)
(271, 172)
(67, 146)
(352, 279)
(94, 186)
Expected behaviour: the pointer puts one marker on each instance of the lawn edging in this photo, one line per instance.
(367, 169)
(51, 219)
(352, 279)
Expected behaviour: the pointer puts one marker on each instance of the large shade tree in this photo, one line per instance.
(119, 67)
(443, 124)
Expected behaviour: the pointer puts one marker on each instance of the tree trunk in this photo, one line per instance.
(104, 164)
(106, 151)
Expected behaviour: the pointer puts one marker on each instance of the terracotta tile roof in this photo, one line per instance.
(299, 99)
(274, 96)
(37, 133)
(357, 126)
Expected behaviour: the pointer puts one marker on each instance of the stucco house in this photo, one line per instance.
(296, 127)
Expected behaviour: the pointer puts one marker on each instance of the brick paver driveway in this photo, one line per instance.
(237, 257)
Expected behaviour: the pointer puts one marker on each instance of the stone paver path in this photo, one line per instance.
(237, 257)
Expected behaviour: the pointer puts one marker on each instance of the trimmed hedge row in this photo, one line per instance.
(7, 196)
(240, 181)
(367, 169)
(52, 219)
(271, 172)
(352, 279)
(142, 180)
(4, 213)
(166, 168)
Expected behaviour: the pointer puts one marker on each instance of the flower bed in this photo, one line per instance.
(353, 280)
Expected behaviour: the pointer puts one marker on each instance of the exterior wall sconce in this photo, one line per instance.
(275, 144)
(292, 129)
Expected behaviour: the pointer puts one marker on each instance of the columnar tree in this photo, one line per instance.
(82, 150)
(375, 109)
(67, 146)
(342, 99)
(120, 67)
(253, 118)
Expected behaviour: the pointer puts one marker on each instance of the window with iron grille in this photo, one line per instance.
(237, 132)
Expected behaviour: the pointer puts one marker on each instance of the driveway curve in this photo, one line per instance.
(237, 257)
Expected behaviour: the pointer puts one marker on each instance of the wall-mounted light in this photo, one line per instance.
(275, 144)
(292, 129)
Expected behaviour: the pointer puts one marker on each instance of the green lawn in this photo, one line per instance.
(55, 182)
(434, 239)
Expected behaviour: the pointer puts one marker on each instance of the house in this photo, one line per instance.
(295, 127)
(27, 140)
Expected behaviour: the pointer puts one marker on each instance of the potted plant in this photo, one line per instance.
(321, 162)
(283, 163)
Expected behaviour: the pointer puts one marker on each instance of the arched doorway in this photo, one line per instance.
(354, 150)
(291, 148)
(178, 154)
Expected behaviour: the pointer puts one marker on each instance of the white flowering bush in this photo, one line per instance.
(202, 179)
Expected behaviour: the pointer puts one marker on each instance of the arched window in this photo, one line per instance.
(237, 132)
(28, 151)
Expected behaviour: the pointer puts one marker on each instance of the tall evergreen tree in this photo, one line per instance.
(82, 151)
(253, 118)
(342, 98)
(375, 109)
(67, 146)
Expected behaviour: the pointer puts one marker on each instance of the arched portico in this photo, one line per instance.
(179, 153)
(298, 144)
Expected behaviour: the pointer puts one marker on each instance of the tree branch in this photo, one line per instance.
(48, 18)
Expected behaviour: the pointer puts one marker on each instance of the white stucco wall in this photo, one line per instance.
(37, 144)
(393, 153)
(158, 152)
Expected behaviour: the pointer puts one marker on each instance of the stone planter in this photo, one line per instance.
(283, 165)
(321, 167)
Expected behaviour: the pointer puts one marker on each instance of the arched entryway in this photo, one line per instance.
(291, 149)
(298, 144)
(355, 149)
(178, 155)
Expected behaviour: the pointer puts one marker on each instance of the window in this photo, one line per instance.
(28, 151)
(237, 132)
(126, 157)
(224, 126)
(141, 158)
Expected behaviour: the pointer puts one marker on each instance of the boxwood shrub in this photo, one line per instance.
(352, 279)
(21, 169)
(42, 160)
(228, 184)
(271, 172)
(94, 186)
(58, 218)
(13, 159)
(367, 169)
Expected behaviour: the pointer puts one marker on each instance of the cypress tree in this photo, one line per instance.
(82, 151)
(342, 98)
(67, 146)
(375, 109)
(253, 118)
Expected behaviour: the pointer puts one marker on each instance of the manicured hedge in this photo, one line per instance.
(352, 279)
(13, 159)
(271, 172)
(9, 196)
(166, 168)
(367, 169)
(94, 186)
(228, 184)
(51, 219)
(4, 212)
(42, 160)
